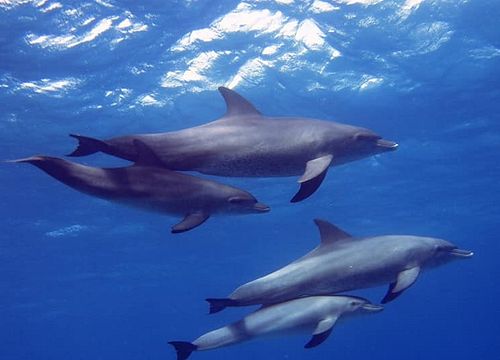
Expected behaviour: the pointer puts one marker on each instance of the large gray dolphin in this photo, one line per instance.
(245, 143)
(149, 187)
(317, 314)
(342, 263)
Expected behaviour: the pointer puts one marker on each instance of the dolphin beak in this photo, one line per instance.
(260, 207)
(461, 253)
(386, 144)
(372, 307)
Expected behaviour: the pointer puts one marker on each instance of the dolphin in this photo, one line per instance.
(317, 314)
(144, 185)
(342, 263)
(245, 143)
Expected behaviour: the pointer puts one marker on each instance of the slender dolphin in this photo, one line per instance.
(341, 263)
(146, 186)
(317, 314)
(244, 143)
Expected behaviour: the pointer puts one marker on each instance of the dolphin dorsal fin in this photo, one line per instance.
(237, 104)
(329, 233)
(145, 156)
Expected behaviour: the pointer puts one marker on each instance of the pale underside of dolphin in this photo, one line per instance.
(317, 314)
(244, 143)
(145, 185)
(342, 263)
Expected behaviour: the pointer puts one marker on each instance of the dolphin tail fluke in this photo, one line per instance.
(87, 145)
(217, 305)
(183, 349)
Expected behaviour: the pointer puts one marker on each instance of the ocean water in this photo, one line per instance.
(81, 278)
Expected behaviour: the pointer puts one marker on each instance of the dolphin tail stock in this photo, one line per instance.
(183, 349)
(87, 145)
(217, 305)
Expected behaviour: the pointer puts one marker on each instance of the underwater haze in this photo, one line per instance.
(82, 278)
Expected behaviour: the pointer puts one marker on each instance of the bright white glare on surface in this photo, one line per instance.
(319, 6)
(47, 86)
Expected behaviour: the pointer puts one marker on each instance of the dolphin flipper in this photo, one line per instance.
(313, 177)
(191, 221)
(405, 279)
(322, 331)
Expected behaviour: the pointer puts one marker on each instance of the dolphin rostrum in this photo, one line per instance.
(342, 263)
(146, 186)
(244, 143)
(317, 314)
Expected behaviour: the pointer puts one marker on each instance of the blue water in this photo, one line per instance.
(81, 278)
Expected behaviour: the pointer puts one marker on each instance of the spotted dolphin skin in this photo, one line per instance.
(149, 187)
(342, 263)
(244, 143)
(317, 314)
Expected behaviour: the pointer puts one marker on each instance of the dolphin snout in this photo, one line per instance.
(372, 307)
(260, 207)
(386, 144)
(461, 253)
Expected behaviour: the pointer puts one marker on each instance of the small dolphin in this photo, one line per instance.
(341, 263)
(146, 186)
(244, 143)
(317, 314)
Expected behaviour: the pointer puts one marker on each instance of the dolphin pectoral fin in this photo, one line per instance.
(317, 339)
(191, 221)
(322, 331)
(313, 177)
(316, 167)
(405, 279)
(308, 188)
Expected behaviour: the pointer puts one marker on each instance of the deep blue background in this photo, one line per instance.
(84, 279)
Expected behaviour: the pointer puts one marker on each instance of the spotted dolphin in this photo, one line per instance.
(245, 143)
(317, 314)
(146, 186)
(342, 263)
